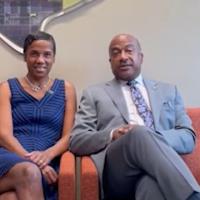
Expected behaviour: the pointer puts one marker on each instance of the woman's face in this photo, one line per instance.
(39, 58)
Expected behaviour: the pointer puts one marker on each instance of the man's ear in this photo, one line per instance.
(141, 57)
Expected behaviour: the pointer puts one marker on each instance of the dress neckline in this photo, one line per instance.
(50, 91)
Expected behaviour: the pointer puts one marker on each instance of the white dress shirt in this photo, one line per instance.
(132, 110)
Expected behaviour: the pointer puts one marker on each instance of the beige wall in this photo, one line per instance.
(169, 32)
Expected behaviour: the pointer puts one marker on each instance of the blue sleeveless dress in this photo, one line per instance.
(37, 124)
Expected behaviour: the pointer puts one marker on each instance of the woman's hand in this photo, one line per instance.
(49, 174)
(40, 158)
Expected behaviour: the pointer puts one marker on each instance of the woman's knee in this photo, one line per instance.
(11, 195)
(21, 174)
(26, 172)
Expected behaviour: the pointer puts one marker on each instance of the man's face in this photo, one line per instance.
(125, 57)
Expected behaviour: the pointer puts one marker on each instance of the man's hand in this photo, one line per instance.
(117, 133)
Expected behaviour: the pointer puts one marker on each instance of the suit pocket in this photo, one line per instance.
(168, 105)
(167, 115)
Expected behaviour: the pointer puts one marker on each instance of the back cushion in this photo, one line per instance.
(193, 159)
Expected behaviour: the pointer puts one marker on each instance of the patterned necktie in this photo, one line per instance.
(142, 108)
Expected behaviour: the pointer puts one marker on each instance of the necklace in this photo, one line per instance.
(37, 87)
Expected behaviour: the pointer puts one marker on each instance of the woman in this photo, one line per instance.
(36, 115)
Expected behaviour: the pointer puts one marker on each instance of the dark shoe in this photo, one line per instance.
(194, 196)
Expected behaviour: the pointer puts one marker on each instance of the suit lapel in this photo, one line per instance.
(113, 89)
(154, 98)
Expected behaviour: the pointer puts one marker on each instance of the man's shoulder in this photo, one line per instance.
(158, 83)
(100, 90)
(99, 86)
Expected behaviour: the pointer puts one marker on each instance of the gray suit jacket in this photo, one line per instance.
(103, 108)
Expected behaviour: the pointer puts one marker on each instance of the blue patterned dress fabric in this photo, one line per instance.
(37, 124)
(142, 107)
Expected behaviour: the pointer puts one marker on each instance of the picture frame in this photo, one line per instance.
(18, 18)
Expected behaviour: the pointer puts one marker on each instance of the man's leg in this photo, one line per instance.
(142, 152)
(147, 188)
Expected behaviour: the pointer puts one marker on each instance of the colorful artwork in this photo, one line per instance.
(20, 17)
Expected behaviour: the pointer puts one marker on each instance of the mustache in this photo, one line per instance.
(125, 63)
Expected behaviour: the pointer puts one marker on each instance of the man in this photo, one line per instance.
(134, 129)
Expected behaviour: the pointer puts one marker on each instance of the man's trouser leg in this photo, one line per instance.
(142, 152)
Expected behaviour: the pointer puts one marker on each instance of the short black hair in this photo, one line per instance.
(40, 35)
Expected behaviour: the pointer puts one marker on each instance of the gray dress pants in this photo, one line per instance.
(142, 166)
